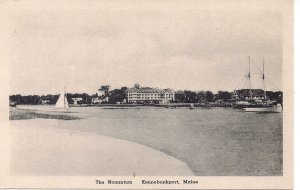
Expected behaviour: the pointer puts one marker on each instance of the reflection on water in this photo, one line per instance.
(214, 142)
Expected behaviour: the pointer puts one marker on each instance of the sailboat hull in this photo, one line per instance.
(271, 109)
(60, 110)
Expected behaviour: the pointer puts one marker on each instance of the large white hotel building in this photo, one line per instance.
(150, 94)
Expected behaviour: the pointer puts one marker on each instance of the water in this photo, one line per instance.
(212, 142)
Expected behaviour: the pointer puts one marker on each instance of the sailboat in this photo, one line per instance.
(265, 106)
(62, 102)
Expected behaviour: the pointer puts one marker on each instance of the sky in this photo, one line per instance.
(176, 45)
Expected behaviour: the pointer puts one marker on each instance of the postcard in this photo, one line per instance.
(146, 94)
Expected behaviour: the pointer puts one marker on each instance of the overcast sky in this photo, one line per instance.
(189, 47)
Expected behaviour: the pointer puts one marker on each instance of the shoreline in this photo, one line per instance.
(25, 114)
(165, 105)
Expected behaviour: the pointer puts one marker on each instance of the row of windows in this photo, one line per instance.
(138, 98)
(149, 93)
(162, 96)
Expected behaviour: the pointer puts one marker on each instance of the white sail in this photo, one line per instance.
(62, 102)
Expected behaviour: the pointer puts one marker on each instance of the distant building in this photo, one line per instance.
(76, 100)
(99, 100)
(96, 100)
(244, 94)
(151, 95)
(12, 103)
(106, 99)
(45, 102)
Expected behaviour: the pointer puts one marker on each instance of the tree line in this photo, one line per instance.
(48, 99)
(119, 95)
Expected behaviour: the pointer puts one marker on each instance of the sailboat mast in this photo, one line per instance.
(264, 78)
(64, 95)
(249, 75)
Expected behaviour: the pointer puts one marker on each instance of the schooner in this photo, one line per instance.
(265, 106)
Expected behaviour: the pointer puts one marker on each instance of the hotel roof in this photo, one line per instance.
(150, 90)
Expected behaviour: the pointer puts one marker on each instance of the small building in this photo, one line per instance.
(45, 102)
(149, 95)
(99, 100)
(244, 94)
(106, 99)
(12, 103)
(96, 100)
(77, 100)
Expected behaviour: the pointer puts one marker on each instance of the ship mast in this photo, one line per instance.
(264, 78)
(64, 96)
(249, 76)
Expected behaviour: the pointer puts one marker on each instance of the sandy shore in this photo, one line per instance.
(39, 149)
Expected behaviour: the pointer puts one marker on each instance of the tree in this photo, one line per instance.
(16, 98)
(137, 85)
(179, 97)
(201, 96)
(274, 95)
(117, 95)
(105, 89)
(209, 96)
(53, 98)
(224, 95)
(278, 96)
(86, 98)
(191, 96)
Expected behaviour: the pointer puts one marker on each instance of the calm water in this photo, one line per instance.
(212, 142)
